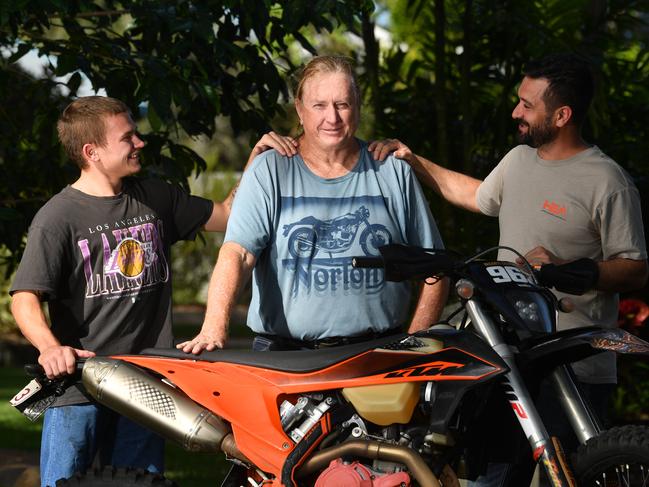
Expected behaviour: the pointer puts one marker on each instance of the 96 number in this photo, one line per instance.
(501, 274)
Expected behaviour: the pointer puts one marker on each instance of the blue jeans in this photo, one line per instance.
(74, 435)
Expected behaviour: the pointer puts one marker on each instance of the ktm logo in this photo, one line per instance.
(554, 209)
(434, 368)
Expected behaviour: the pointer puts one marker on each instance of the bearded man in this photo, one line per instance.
(557, 198)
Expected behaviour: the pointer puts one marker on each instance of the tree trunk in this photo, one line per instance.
(372, 68)
(440, 83)
(465, 219)
(465, 87)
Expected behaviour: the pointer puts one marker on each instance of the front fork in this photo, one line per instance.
(543, 448)
(584, 423)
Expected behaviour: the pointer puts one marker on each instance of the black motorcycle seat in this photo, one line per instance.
(299, 361)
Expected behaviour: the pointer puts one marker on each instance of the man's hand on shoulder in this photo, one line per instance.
(381, 149)
(61, 360)
(285, 145)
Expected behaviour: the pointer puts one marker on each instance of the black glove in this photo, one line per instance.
(575, 277)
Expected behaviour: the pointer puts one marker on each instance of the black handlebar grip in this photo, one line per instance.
(34, 370)
(368, 262)
(37, 370)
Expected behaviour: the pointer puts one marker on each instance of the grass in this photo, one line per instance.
(194, 469)
(17, 432)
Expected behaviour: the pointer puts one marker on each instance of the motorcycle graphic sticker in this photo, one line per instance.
(309, 237)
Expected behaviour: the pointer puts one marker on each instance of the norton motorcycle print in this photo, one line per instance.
(310, 235)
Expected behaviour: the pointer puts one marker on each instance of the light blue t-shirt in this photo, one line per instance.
(304, 231)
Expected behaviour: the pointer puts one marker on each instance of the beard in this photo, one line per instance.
(537, 135)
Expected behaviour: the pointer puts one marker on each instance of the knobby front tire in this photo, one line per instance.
(617, 457)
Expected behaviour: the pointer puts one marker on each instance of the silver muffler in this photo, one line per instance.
(147, 400)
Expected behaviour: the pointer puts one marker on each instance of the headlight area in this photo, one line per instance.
(533, 309)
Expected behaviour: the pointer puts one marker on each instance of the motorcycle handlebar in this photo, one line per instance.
(34, 370)
(402, 262)
(37, 370)
(368, 262)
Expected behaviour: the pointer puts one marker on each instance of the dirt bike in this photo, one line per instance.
(309, 235)
(402, 410)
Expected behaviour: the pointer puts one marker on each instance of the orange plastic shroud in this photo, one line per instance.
(248, 397)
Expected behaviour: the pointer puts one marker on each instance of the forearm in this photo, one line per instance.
(622, 275)
(56, 359)
(232, 271)
(218, 220)
(30, 318)
(430, 305)
(226, 204)
(221, 213)
(458, 189)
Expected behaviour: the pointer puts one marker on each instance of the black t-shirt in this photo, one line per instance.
(102, 263)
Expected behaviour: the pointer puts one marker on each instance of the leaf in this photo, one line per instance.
(65, 63)
(160, 98)
(20, 52)
(153, 118)
(305, 43)
(74, 82)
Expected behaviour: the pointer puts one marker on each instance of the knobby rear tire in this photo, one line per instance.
(614, 448)
(111, 477)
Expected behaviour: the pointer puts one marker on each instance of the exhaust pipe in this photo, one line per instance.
(145, 399)
(373, 450)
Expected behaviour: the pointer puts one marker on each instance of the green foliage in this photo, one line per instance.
(30, 161)
(631, 398)
(194, 469)
(15, 429)
(446, 85)
(7, 323)
(178, 64)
